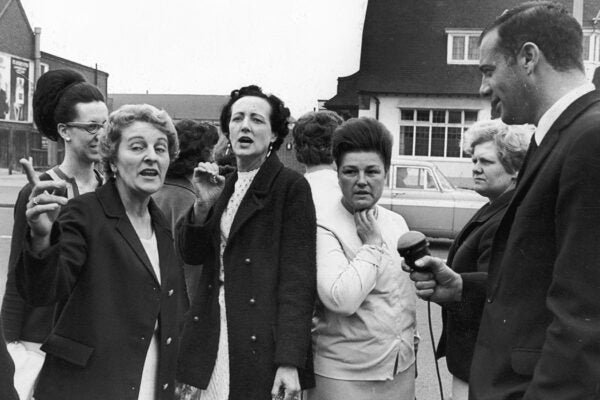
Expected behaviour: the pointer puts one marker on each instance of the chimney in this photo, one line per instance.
(578, 11)
(37, 54)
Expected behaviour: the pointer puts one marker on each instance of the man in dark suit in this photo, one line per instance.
(540, 332)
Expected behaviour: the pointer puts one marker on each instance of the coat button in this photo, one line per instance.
(171, 292)
(132, 388)
(252, 301)
(143, 338)
(489, 299)
(196, 318)
(253, 338)
(247, 261)
(209, 287)
(168, 341)
(165, 386)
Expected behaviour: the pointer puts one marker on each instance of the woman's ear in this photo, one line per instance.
(63, 132)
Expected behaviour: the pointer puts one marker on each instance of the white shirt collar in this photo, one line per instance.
(552, 114)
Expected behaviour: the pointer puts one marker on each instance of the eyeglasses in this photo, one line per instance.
(91, 127)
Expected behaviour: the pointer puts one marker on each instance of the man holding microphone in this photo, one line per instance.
(540, 332)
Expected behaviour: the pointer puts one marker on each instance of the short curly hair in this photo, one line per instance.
(280, 114)
(196, 142)
(126, 116)
(56, 96)
(510, 140)
(312, 137)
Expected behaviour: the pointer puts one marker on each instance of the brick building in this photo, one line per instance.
(21, 64)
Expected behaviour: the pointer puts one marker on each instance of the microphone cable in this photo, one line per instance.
(437, 367)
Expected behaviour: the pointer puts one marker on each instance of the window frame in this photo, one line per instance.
(466, 34)
(593, 46)
(413, 126)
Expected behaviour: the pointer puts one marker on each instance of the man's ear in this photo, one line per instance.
(529, 56)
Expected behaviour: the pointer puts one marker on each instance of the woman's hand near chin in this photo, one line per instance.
(367, 228)
(208, 185)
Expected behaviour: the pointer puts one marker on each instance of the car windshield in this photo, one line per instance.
(444, 182)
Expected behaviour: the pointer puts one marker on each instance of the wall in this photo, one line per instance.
(97, 77)
(459, 170)
(16, 36)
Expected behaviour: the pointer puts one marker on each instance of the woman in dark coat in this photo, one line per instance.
(247, 334)
(497, 151)
(109, 263)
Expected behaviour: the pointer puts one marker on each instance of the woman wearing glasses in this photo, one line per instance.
(66, 108)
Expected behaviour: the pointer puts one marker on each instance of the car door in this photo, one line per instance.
(416, 195)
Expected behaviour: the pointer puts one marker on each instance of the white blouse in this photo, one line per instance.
(148, 384)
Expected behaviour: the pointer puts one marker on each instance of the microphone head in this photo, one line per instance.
(409, 240)
(412, 246)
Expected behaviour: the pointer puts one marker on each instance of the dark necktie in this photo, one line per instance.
(533, 146)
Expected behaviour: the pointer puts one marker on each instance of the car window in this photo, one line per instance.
(429, 181)
(444, 183)
(414, 178)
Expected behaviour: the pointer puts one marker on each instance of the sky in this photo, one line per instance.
(295, 49)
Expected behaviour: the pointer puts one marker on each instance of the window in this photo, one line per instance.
(414, 178)
(463, 46)
(591, 47)
(434, 132)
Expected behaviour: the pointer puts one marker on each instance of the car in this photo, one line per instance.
(427, 200)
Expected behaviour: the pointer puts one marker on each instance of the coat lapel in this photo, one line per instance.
(533, 166)
(113, 207)
(550, 140)
(164, 241)
(254, 199)
(481, 217)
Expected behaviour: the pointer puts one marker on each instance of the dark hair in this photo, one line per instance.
(124, 117)
(57, 92)
(279, 113)
(547, 24)
(196, 141)
(363, 135)
(312, 137)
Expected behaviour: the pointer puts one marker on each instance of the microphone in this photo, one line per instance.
(412, 246)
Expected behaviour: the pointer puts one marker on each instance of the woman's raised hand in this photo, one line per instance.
(367, 228)
(44, 202)
(208, 183)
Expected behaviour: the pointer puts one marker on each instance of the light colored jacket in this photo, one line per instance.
(366, 317)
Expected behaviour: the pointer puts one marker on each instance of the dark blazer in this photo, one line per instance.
(174, 199)
(469, 255)
(20, 320)
(540, 331)
(108, 299)
(270, 284)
